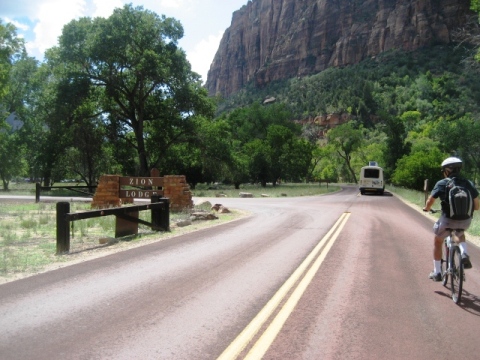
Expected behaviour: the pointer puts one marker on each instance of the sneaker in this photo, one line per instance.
(435, 276)
(466, 261)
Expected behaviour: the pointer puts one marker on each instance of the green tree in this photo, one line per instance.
(11, 155)
(259, 154)
(238, 168)
(373, 149)
(329, 173)
(346, 139)
(475, 6)
(88, 156)
(58, 116)
(396, 145)
(205, 157)
(423, 163)
(265, 145)
(460, 137)
(15, 103)
(12, 59)
(11, 46)
(290, 156)
(410, 119)
(147, 82)
(252, 122)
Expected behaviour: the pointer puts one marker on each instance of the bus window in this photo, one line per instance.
(371, 173)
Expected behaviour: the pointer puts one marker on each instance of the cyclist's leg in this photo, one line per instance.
(464, 224)
(440, 232)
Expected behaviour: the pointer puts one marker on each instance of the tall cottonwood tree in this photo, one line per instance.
(13, 64)
(11, 46)
(148, 86)
(57, 115)
(346, 139)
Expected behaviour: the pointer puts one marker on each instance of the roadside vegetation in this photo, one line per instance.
(28, 236)
(417, 200)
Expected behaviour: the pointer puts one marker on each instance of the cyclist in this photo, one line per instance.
(450, 168)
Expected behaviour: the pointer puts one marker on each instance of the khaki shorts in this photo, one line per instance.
(444, 223)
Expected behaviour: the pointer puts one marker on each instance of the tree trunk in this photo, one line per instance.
(5, 184)
(142, 153)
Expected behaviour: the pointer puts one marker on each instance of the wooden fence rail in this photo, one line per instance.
(79, 189)
(126, 219)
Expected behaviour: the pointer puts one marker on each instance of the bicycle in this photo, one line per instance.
(452, 265)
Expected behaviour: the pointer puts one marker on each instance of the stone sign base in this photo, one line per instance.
(174, 187)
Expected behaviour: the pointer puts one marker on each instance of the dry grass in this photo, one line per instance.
(28, 237)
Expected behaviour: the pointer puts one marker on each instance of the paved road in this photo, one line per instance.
(340, 276)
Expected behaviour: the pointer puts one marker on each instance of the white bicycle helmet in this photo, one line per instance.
(452, 163)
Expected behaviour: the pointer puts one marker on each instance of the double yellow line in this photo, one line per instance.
(261, 346)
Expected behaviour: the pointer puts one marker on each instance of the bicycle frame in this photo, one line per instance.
(452, 264)
(453, 269)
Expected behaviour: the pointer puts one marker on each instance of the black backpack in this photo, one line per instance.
(458, 199)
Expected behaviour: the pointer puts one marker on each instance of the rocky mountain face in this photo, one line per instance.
(278, 39)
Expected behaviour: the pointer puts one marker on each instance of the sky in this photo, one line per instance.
(40, 22)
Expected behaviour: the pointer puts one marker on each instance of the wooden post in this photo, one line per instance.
(165, 215)
(155, 173)
(63, 231)
(425, 189)
(161, 217)
(38, 188)
(124, 227)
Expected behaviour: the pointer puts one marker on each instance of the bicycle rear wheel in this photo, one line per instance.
(444, 263)
(456, 275)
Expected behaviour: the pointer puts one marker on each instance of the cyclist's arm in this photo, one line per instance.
(431, 200)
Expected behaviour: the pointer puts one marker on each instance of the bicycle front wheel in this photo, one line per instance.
(444, 262)
(456, 275)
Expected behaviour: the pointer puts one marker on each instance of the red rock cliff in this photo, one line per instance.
(278, 39)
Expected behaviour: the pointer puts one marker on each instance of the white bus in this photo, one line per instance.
(371, 179)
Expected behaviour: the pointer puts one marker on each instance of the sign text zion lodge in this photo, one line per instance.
(113, 190)
(138, 184)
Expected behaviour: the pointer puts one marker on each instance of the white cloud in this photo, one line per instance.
(175, 4)
(104, 8)
(17, 24)
(40, 22)
(202, 55)
(52, 16)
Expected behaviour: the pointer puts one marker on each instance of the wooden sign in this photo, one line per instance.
(141, 181)
(140, 194)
